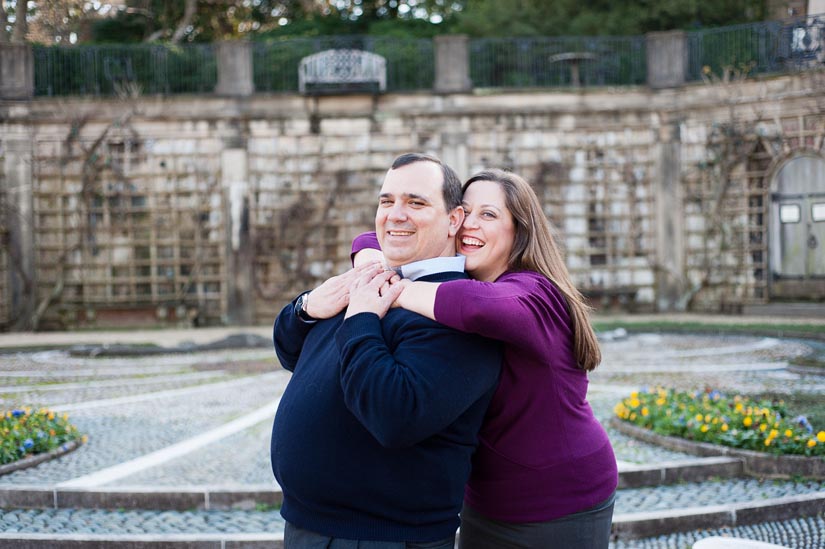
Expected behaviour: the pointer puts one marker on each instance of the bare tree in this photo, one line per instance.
(186, 22)
(4, 20)
(189, 12)
(21, 27)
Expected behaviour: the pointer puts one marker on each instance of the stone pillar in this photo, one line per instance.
(16, 71)
(235, 76)
(17, 167)
(454, 153)
(452, 64)
(667, 58)
(239, 287)
(670, 245)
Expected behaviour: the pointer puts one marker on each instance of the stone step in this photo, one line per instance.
(212, 497)
(87, 529)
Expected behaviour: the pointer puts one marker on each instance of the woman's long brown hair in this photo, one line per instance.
(535, 249)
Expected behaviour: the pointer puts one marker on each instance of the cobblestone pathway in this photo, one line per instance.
(202, 419)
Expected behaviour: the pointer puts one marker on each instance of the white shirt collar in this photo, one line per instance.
(417, 269)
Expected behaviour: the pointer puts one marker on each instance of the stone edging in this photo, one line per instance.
(170, 498)
(37, 459)
(806, 370)
(756, 463)
(182, 498)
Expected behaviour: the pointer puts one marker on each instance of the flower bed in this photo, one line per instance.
(24, 433)
(712, 417)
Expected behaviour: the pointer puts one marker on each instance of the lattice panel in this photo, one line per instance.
(301, 229)
(598, 192)
(726, 227)
(143, 235)
(5, 273)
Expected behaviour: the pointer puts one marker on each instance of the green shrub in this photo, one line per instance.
(710, 416)
(26, 433)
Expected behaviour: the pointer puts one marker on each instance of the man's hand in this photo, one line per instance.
(331, 297)
(374, 294)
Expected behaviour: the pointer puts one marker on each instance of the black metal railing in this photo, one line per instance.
(552, 62)
(410, 61)
(757, 48)
(112, 69)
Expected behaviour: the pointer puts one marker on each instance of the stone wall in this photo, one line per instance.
(220, 209)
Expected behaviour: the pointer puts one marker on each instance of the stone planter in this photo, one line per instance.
(37, 459)
(755, 463)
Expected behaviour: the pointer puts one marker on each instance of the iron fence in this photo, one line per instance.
(553, 62)
(771, 46)
(757, 48)
(410, 61)
(112, 69)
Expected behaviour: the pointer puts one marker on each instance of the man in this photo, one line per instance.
(374, 433)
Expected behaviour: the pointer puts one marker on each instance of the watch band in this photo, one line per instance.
(300, 309)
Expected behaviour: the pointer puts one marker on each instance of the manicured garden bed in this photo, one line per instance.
(26, 434)
(770, 439)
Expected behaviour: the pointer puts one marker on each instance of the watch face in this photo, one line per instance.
(299, 308)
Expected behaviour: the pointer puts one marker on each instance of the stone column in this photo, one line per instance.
(239, 288)
(670, 245)
(452, 64)
(17, 167)
(454, 153)
(235, 76)
(16, 71)
(667, 58)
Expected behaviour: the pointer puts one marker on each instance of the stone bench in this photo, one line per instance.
(342, 70)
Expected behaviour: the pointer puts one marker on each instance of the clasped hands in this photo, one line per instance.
(368, 288)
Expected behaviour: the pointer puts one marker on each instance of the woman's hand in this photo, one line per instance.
(331, 297)
(374, 294)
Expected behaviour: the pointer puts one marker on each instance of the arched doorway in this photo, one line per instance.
(798, 229)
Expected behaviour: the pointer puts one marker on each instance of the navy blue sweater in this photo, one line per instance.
(374, 433)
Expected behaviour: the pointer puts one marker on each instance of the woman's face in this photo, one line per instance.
(488, 233)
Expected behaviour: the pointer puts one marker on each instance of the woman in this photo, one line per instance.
(544, 474)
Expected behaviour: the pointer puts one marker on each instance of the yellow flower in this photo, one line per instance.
(707, 418)
(634, 402)
(739, 407)
(724, 427)
(645, 411)
(788, 433)
(774, 433)
(820, 436)
(748, 421)
(763, 427)
(811, 443)
(661, 401)
(768, 441)
(698, 417)
(705, 428)
(634, 394)
(633, 416)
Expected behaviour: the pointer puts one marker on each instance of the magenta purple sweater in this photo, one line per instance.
(542, 453)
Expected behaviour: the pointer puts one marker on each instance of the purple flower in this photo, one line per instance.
(17, 413)
(803, 422)
(28, 443)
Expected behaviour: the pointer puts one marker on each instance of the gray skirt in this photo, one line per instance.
(588, 529)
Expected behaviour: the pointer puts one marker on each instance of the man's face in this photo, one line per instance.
(411, 222)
